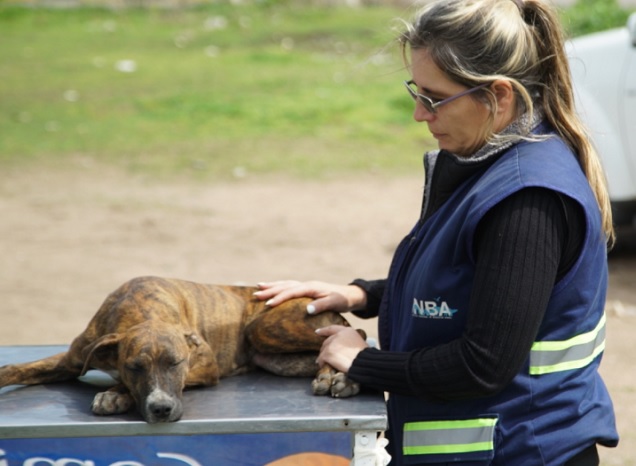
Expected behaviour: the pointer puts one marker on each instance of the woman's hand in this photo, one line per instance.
(340, 348)
(327, 296)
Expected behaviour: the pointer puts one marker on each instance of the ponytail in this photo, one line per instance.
(558, 102)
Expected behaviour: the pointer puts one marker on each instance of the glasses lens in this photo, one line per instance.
(425, 101)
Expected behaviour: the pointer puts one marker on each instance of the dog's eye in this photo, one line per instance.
(177, 363)
(135, 367)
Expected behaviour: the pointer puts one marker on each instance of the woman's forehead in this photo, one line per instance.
(425, 71)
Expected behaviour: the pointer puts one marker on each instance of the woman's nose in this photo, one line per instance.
(421, 114)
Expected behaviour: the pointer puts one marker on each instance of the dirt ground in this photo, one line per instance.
(71, 236)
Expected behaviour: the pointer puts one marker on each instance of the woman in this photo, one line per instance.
(491, 319)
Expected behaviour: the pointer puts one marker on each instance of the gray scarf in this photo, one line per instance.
(511, 135)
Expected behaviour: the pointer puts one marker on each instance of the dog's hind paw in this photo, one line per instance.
(111, 402)
(335, 384)
(343, 387)
(321, 385)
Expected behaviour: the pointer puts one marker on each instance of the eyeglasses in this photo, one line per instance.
(430, 104)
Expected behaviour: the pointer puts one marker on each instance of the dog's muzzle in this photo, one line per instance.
(161, 407)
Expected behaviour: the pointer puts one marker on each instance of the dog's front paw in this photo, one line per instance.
(111, 402)
(343, 387)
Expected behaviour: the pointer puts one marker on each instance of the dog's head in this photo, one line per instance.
(152, 360)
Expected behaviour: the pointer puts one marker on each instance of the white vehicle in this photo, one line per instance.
(604, 73)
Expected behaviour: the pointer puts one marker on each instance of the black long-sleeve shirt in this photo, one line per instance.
(523, 246)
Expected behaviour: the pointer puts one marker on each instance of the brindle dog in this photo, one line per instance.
(157, 336)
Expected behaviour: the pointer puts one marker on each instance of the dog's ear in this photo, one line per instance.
(102, 353)
(203, 366)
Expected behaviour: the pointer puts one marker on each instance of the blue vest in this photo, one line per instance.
(557, 405)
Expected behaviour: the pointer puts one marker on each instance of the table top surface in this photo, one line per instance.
(256, 402)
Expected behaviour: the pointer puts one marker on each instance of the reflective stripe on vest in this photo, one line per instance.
(441, 437)
(555, 356)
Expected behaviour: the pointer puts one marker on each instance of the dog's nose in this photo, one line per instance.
(161, 407)
(161, 411)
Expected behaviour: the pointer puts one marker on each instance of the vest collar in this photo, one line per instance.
(446, 171)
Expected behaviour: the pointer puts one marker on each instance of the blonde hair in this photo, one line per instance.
(479, 41)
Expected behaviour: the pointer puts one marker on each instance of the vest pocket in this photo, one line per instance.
(455, 441)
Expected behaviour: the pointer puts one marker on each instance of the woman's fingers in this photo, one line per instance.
(341, 346)
(326, 296)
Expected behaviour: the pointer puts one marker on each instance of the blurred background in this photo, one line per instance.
(223, 142)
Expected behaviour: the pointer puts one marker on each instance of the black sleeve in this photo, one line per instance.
(374, 289)
(522, 246)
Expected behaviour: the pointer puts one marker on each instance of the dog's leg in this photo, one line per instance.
(327, 380)
(288, 365)
(56, 368)
(288, 329)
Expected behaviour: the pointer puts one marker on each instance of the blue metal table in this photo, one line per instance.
(248, 420)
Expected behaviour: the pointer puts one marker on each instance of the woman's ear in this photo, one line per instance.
(504, 93)
(506, 103)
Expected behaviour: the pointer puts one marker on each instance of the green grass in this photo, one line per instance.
(304, 91)
(587, 16)
(264, 87)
